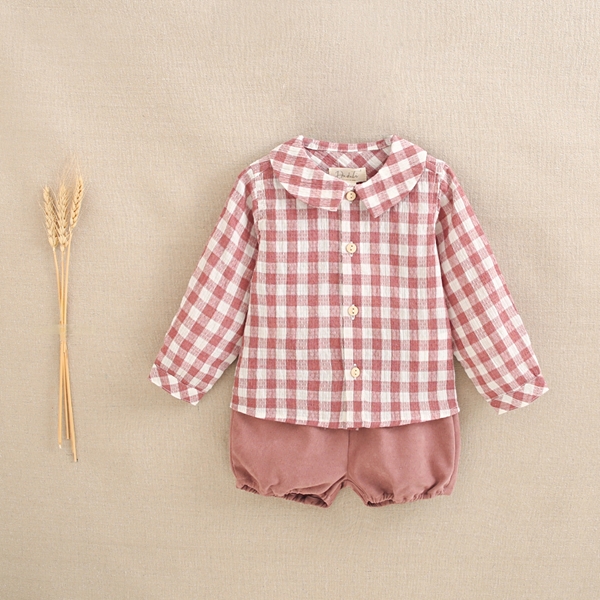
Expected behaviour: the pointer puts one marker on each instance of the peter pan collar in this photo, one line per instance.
(303, 179)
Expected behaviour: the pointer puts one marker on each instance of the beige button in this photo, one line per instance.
(351, 195)
(355, 371)
(351, 247)
(352, 310)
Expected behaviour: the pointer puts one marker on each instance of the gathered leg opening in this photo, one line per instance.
(390, 499)
(306, 499)
(311, 499)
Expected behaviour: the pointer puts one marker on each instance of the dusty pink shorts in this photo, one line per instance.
(383, 465)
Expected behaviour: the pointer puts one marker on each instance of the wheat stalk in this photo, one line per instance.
(59, 230)
(51, 221)
(75, 209)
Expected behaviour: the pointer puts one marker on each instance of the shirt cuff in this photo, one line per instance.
(174, 386)
(520, 397)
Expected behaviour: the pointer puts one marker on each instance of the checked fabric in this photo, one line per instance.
(345, 277)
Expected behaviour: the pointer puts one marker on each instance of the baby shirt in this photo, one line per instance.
(344, 277)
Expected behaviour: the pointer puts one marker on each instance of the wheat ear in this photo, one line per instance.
(50, 214)
(76, 205)
(62, 206)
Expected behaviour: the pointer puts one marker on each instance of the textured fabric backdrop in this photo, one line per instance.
(165, 103)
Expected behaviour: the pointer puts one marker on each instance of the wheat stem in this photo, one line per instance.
(60, 403)
(65, 404)
(63, 343)
(69, 401)
(70, 405)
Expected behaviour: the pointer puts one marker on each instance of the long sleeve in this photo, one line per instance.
(206, 333)
(489, 338)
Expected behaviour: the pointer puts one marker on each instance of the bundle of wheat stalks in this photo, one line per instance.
(61, 214)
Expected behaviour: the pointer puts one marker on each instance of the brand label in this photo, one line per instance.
(355, 175)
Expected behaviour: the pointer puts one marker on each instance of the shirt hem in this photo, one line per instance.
(290, 416)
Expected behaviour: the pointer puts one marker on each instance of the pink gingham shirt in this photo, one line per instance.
(345, 302)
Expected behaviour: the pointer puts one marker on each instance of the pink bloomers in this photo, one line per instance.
(383, 465)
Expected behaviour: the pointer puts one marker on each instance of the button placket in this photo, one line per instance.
(351, 369)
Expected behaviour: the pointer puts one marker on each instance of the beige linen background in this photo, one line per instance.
(165, 103)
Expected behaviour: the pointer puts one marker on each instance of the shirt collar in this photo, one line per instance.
(302, 178)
